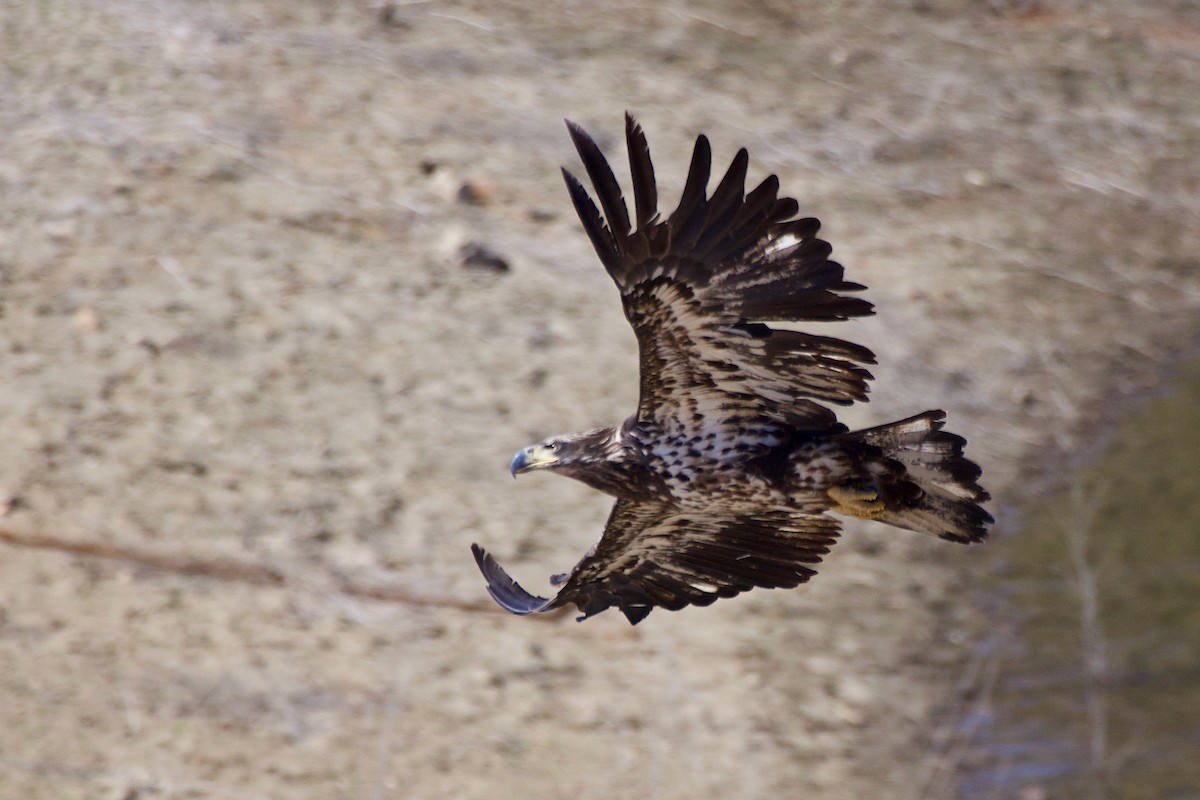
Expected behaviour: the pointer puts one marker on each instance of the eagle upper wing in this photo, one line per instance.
(699, 286)
(654, 555)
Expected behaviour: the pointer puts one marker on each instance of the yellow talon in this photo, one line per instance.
(857, 501)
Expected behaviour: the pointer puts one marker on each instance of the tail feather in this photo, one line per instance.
(938, 492)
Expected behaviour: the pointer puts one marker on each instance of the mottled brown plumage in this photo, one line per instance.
(726, 475)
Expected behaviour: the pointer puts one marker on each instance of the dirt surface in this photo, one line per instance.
(237, 322)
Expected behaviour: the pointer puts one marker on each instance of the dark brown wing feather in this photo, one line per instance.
(645, 191)
(699, 287)
(654, 556)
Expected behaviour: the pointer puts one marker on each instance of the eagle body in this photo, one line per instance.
(733, 471)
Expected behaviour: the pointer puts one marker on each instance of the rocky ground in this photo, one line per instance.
(286, 284)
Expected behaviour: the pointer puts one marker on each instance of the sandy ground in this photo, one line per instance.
(236, 323)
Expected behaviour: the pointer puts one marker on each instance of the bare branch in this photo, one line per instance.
(228, 569)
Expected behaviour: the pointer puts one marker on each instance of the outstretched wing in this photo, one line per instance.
(651, 555)
(699, 286)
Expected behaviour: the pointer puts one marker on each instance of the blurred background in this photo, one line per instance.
(283, 285)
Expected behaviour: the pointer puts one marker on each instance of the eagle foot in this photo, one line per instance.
(857, 501)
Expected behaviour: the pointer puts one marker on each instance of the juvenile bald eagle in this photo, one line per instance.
(726, 475)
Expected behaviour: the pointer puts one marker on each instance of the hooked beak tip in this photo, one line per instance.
(519, 462)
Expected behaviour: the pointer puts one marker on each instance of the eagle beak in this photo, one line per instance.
(532, 457)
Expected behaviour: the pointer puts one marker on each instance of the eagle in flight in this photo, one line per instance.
(727, 475)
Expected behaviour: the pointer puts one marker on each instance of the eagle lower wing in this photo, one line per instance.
(699, 286)
(655, 556)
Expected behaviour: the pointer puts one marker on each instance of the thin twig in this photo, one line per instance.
(1095, 659)
(228, 569)
(973, 697)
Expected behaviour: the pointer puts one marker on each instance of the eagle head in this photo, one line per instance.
(576, 452)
